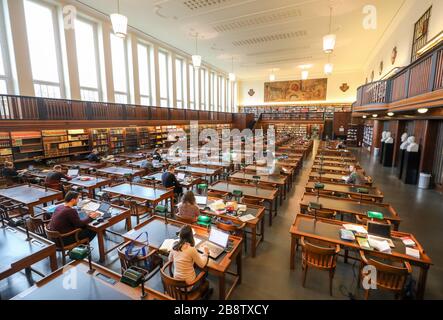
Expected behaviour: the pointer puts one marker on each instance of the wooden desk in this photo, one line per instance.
(347, 206)
(268, 195)
(91, 184)
(31, 195)
(121, 171)
(138, 164)
(346, 189)
(158, 231)
(88, 286)
(337, 163)
(16, 253)
(83, 165)
(329, 230)
(333, 177)
(199, 171)
(187, 183)
(334, 169)
(115, 161)
(138, 191)
(290, 171)
(335, 158)
(257, 236)
(133, 156)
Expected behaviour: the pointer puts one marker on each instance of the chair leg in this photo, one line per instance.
(305, 273)
(367, 294)
(331, 278)
(63, 258)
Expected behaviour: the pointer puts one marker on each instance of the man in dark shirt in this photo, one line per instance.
(156, 155)
(169, 180)
(93, 156)
(66, 219)
(10, 173)
(54, 178)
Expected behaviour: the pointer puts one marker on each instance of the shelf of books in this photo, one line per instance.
(116, 140)
(352, 137)
(327, 109)
(78, 141)
(55, 143)
(99, 140)
(5, 147)
(143, 138)
(27, 145)
(299, 130)
(131, 137)
(367, 136)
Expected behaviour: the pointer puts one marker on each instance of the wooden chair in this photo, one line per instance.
(179, 289)
(138, 209)
(259, 202)
(218, 194)
(389, 277)
(60, 246)
(234, 229)
(322, 213)
(155, 261)
(363, 197)
(37, 225)
(320, 255)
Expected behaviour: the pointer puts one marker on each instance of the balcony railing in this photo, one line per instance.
(422, 76)
(35, 108)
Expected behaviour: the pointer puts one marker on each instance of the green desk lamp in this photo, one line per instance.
(237, 194)
(204, 221)
(80, 253)
(134, 277)
(318, 186)
(375, 215)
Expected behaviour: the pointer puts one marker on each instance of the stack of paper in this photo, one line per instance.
(242, 208)
(217, 205)
(355, 228)
(380, 245)
(167, 245)
(246, 217)
(408, 242)
(413, 252)
(91, 206)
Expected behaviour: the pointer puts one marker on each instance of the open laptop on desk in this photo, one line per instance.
(73, 173)
(203, 201)
(380, 231)
(181, 176)
(105, 210)
(217, 243)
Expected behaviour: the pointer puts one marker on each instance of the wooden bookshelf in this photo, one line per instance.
(116, 140)
(5, 147)
(27, 145)
(131, 139)
(79, 140)
(143, 138)
(100, 140)
(55, 143)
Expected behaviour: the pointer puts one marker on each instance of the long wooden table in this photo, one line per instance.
(121, 171)
(329, 231)
(187, 183)
(332, 177)
(31, 195)
(269, 195)
(138, 191)
(330, 188)
(337, 164)
(200, 171)
(333, 169)
(159, 231)
(90, 183)
(18, 253)
(346, 206)
(83, 165)
(102, 284)
(257, 236)
(336, 158)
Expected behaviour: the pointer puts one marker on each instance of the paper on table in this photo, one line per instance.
(242, 208)
(355, 228)
(167, 245)
(217, 205)
(247, 217)
(413, 252)
(91, 206)
(382, 246)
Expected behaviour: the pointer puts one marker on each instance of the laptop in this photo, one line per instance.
(73, 172)
(104, 209)
(217, 242)
(201, 200)
(380, 231)
(181, 176)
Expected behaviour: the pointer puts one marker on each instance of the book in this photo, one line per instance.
(347, 235)
(380, 245)
(355, 228)
(246, 217)
(407, 241)
(363, 243)
(167, 245)
(413, 252)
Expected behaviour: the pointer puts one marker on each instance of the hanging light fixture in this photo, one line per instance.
(329, 67)
(304, 74)
(119, 22)
(232, 74)
(196, 58)
(272, 76)
(329, 39)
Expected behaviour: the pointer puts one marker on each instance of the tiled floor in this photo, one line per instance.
(268, 275)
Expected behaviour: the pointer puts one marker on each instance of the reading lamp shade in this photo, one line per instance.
(119, 24)
(232, 77)
(196, 61)
(329, 43)
(328, 68)
(272, 77)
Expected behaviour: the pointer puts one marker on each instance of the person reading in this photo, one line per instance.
(94, 156)
(354, 177)
(157, 155)
(184, 256)
(66, 219)
(188, 208)
(169, 180)
(10, 173)
(147, 163)
(54, 178)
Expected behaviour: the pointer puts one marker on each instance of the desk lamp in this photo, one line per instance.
(153, 181)
(162, 210)
(243, 166)
(80, 253)
(318, 186)
(375, 215)
(237, 195)
(256, 179)
(362, 191)
(314, 206)
(134, 277)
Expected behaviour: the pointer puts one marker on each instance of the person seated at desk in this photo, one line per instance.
(169, 180)
(275, 169)
(54, 178)
(147, 163)
(184, 255)
(157, 155)
(188, 208)
(10, 173)
(354, 178)
(340, 145)
(94, 156)
(66, 219)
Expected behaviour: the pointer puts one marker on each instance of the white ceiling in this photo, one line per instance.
(261, 34)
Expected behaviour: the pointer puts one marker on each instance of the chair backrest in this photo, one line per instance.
(255, 201)
(177, 289)
(184, 219)
(322, 213)
(56, 237)
(37, 225)
(217, 194)
(362, 197)
(389, 277)
(319, 254)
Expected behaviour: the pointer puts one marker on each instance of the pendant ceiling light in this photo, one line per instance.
(196, 58)
(329, 39)
(272, 76)
(119, 22)
(329, 67)
(304, 74)
(232, 74)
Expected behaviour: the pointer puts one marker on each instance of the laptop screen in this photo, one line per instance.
(181, 176)
(73, 172)
(104, 207)
(218, 237)
(379, 229)
(201, 200)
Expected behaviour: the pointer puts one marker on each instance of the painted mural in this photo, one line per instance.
(296, 90)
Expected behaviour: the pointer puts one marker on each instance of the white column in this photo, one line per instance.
(174, 81)
(187, 103)
(108, 61)
(157, 76)
(135, 69)
(72, 64)
(20, 48)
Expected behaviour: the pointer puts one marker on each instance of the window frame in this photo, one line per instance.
(119, 94)
(151, 78)
(168, 69)
(4, 51)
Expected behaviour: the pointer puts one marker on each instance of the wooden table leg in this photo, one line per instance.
(292, 257)
(275, 202)
(421, 286)
(271, 212)
(262, 229)
(239, 266)
(101, 245)
(221, 286)
(53, 261)
(254, 241)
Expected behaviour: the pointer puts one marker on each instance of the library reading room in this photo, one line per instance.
(221, 150)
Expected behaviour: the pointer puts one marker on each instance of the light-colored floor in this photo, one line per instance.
(267, 276)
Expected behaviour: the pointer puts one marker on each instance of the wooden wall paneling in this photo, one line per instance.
(429, 144)
(394, 129)
(341, 119)
(378, 129)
